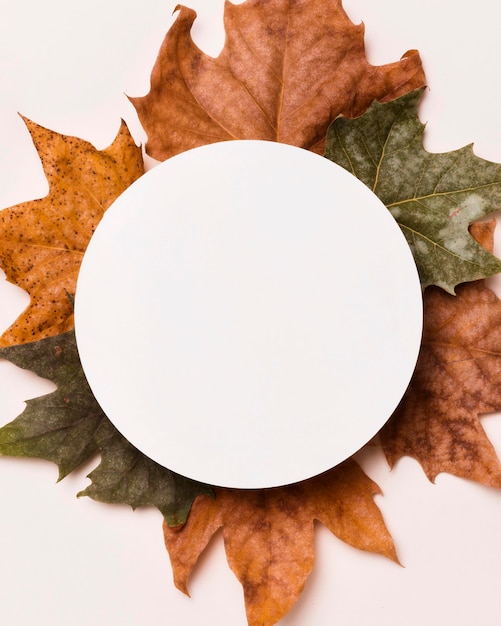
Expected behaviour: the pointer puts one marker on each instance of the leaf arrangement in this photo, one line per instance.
(295, 73)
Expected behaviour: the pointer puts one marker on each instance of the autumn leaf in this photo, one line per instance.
(42, 242)
(433, 197)
(457, 378)
(68, 428)
(286, 71)
(268, 534)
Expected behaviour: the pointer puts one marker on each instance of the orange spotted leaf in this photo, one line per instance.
(42, 241)
(286, 71)
(269, 535)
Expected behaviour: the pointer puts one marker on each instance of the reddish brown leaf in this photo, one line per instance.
(42, 241)
(268, 535)
(457, 378)
(286, 71)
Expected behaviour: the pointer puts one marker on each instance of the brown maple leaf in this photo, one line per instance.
(457, 378)
(42, 242)
(286, 71)
(268, 534)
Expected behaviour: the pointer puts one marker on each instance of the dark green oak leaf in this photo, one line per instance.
(68, 428)
(434, 197)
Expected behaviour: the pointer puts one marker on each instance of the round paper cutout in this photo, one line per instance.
(248, 314)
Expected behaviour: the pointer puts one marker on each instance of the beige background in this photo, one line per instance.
(67, 561)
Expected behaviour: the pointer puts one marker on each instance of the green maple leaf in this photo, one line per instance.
(68, 428)
(433, 197)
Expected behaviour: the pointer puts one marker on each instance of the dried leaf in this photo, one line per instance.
(268, 535)
(68, 428)
(433, 197)
(286, 71)
(457, 378)
(126, 476)
(42, 241)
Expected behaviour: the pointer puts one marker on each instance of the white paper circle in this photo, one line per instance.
(248, 314)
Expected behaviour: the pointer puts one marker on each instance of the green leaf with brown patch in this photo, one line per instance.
(433, 197)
